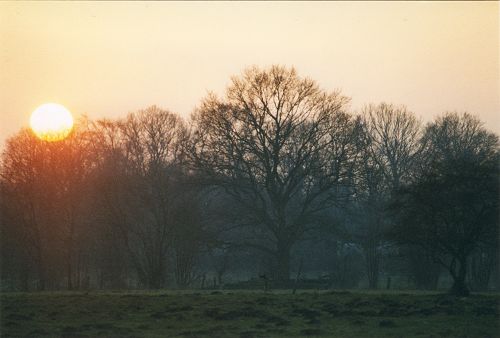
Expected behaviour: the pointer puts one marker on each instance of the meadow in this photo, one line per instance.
(248, 314)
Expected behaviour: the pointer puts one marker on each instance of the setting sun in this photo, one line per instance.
(51, 122)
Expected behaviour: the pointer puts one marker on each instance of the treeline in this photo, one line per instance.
(276, 178)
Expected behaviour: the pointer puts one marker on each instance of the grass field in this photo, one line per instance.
(248, 314)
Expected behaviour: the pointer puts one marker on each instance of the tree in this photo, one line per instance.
(367, 223)
(281, 147)
(189, 238)
(452, 206)
(45, 184)
(21, 164)
(482, 266)
(140, 186)
(393, 145)
(110, 254)
(389, 154)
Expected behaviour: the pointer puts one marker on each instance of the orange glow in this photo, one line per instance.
(51, 122)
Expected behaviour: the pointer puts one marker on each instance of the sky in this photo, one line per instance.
(107, 59)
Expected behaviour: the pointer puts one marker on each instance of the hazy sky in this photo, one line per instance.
(108, 59)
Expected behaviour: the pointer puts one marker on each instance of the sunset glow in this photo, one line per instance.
(51, 122)
(430, 56)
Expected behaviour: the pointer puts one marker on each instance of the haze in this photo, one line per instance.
(108, 59)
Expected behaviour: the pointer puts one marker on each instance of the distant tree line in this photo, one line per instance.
(276, 178)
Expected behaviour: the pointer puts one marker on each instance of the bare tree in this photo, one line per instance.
(45, 184)
(451, 208)
(393, 141)
(189, 238)
(21, 202)
(389, 153)
(111, 257)
(139, 189)
(481, 266)
(281, 147)
(366, 212)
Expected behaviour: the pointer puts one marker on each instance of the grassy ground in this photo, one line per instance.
(248, 314)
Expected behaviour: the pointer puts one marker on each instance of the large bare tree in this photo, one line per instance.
(281, 147)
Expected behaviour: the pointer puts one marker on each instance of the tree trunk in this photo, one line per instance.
(69, 273)
(480, 268)
(24, 280)
(41, 280)
(283, 261)
(459, 287)
(373, 278)
(424, 270)
(42, 273)
(69, 267)
(156, 278)
(220, 273)
(372, 266)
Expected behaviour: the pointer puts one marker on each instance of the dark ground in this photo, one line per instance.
(248, 314)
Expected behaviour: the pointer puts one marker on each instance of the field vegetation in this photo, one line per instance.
(248, 314)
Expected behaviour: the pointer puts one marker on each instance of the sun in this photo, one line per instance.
(51, 122)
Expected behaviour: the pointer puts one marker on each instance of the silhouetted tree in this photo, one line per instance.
(482, 266)
(393, 144)
(389, 153)
(452, 206)
(189, 238)
(45, 185)
(280, 146)
(422, 267)
(140, 187)
(111, 257)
